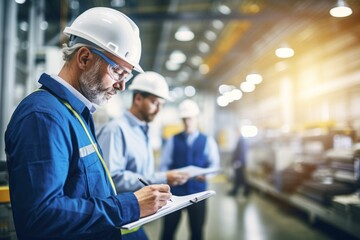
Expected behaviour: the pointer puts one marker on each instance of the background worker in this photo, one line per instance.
(189, 147)
(125, 141)
(239, 166)
(59, 187)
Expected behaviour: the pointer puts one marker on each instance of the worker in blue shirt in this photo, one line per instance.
(190, 147)
(60, 187)
(126, 144)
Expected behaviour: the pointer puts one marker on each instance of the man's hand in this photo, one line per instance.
(176, 177)
(152, 198)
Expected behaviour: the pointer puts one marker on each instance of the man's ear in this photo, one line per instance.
(83, 58)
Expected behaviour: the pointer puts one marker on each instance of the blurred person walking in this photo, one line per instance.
(239, 166)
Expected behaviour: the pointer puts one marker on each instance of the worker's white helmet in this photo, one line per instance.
(188, 108)
(153, 83)
(110, 30)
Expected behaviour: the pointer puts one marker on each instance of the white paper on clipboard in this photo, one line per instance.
(195, 171)
(178, 202)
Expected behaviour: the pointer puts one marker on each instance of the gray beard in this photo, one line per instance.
(90, 85)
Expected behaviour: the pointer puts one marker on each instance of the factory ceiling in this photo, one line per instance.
(231, 38)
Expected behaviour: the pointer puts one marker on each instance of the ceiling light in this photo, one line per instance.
(284, 52)
(177, 57)
(247, 87)
(223, 88)
(20, 1)
(24, 26)
(224, 9)
(222, 101)
(254, 78)
(74, 5)
(229, 97)
(196, 60)
(236, 94)
(177, 92)
(204, 69)
(341, 9)
(249, 131)
(184, 34)
(172, 66)
(203, 47)
(183, 76)
(117, 3)
(44, 25)
(217, 24)
(210, 35)
(189, 91)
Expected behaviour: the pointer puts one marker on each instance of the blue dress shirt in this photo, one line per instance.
(128, 154)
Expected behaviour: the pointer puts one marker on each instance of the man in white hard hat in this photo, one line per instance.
(125, 141)
(189, 147)
(59, 184)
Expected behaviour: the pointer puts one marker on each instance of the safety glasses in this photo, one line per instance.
(117, 72)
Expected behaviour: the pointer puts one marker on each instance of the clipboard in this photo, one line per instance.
(194, 171)
(178, 202)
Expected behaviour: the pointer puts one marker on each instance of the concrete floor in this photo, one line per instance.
(258, 217)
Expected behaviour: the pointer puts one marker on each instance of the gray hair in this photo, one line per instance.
(68, 52)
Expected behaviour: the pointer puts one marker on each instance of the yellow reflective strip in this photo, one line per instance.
(92, 142)
(125, 231)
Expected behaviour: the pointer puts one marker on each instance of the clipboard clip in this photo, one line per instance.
(195, 200)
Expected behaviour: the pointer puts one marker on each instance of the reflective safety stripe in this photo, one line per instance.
(87, 150)
(91, 140)
(125, 231)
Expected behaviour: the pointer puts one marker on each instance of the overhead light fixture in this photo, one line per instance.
(284, 51)
(189, 91)
(247, 87)
(184, 34)
(177, 57)
(24, 26)
(217, 24)
(210, 35)
(223, 88)
(204, 69)
(254, 78)
(222, 101)
(341, 9)
(172, 66)
(224, 9)
(203, 47)
(196, 60)
(117, 3)
(236, 94)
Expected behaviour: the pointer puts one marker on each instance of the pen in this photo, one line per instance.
(143, 182)
(146, 184)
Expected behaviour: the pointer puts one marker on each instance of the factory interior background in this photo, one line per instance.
(284, 74)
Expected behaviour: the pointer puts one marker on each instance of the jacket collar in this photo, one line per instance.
(60, 91)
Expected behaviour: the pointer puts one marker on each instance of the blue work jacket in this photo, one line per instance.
(58, 186)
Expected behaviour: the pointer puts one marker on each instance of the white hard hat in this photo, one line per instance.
(112, 31)
(152, 83)
(188, 108)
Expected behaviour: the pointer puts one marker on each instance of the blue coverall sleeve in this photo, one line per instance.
(43, 171)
